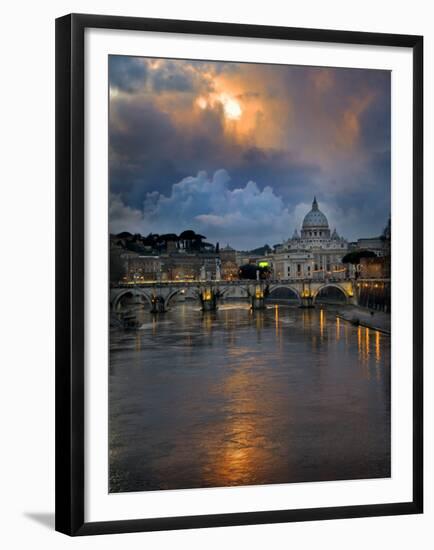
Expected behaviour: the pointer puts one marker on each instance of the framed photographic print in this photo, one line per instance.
(238, 274)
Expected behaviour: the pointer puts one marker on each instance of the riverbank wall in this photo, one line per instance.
(374, 294)
(376, 320)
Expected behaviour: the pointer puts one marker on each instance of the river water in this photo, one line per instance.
(236, 397)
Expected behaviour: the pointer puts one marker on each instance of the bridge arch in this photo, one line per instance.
(170, 296)
(243, 291)
(273, 288)
(116, 300)
(342, 290)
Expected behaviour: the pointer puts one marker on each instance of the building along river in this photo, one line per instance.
(241, 397)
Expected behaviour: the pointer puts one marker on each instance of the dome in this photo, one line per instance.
(315, 218)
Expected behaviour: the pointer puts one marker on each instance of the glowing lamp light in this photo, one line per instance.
(259, 293)
(207, 296)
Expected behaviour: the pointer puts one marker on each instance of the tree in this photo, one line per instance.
(355, 256)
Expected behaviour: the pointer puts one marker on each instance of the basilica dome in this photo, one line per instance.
(315, 219)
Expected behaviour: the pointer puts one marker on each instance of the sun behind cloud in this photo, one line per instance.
(291, 128)
(231, 107)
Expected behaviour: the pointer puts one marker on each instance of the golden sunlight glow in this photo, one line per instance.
(202, 102)
(231, 107)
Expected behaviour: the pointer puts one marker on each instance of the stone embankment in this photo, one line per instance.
(376, 320)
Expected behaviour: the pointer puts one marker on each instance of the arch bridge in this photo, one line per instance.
(159, 295)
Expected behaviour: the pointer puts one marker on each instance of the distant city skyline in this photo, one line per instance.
(237, 151)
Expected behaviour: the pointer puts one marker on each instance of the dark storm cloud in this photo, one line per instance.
(174, 77)
(128, 74)
(312, 131)
(138, 74)
(143, 161)
(149, 152)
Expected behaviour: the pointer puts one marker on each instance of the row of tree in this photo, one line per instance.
(189, 240)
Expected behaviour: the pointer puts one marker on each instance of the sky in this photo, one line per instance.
(237, 151)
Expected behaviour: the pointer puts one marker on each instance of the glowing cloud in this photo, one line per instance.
(231, 107)
(298, 131)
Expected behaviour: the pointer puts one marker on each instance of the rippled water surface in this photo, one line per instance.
(239, 398)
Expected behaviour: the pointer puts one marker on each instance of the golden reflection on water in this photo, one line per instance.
(377, 347)
(365, 351)
(377, 355)
(252, 415)
(207, 321)
(307, 319)
(242, 441)
(138, 342)
(259, 319)
(241, 448)
(359, 343)
(321, 324)
(278, 327)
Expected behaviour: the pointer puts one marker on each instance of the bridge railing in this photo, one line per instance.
(237, 282)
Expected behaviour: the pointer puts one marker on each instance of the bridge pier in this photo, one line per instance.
(158, 304)
(159, 294)
(208, 299)
(257, 297)
(257, 303)
(306, 296)
(307, 302)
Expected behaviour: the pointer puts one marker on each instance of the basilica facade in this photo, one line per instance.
(315, 253)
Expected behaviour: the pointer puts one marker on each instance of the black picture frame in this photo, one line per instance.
(70, 284)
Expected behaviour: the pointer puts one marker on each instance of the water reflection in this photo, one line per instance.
(377, 347)
(236, 397)
(321, 323)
